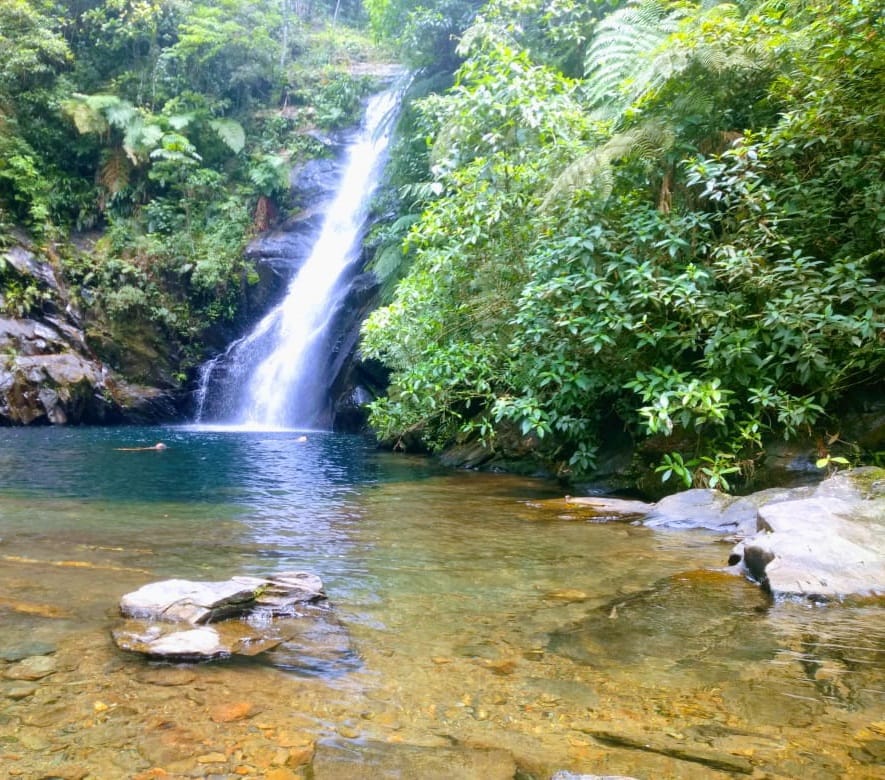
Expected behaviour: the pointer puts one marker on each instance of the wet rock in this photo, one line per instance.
(826, 546)
(19, 691)
(192, 621)
(702, 509)
(25, 650)
(336, 760)
(233, 711)
(34, 668)
(202, 643)
(207, 602)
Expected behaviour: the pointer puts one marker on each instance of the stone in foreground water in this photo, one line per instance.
(170, 619)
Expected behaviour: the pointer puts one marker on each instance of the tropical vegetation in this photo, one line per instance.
(659, 218)
(142, 144)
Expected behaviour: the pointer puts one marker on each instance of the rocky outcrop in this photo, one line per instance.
(48, 373)
(825, 545)
(199, 621)
(818, 542)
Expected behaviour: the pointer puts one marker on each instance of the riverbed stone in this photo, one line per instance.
(344, 760)
(34, 668)
(19, 691)
(26, 649)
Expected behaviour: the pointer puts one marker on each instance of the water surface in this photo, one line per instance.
(469, 616)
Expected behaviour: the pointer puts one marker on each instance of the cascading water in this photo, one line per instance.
(273, 376)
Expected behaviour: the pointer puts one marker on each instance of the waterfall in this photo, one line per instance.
(273, 377)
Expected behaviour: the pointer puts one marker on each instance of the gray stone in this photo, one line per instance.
(702, 509)
(185, 601)
(25, 650)
(20, 691)
(248, 616)
(194, 602)
(826, 546)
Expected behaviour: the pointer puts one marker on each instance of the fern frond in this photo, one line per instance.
(133, 138)
(592, 172)
(231, 133)
(180, 121)
(645, 44)
(115, 171)
(86, 118)
(121, 114)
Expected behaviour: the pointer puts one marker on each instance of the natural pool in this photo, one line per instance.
(478, 632)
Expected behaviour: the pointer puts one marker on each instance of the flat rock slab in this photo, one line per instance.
(35, 668)
(184, 601)
(198, 603)
(818, 548)
(183, 620)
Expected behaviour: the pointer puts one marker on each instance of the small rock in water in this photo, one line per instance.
(166, 676)
(20, 691)
(34, 668)
(170, 619)
(228, 713)
(26, 650)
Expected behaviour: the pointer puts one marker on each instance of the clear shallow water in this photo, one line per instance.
(470, 614)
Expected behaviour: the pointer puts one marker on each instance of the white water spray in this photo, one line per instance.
(272, 377)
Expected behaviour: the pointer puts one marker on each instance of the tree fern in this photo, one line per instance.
(592, 172)
(115, 171)
(231, 133)
(639, 48)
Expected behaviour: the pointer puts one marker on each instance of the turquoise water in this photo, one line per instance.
(471, 614)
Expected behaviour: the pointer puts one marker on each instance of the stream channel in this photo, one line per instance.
(476, 630)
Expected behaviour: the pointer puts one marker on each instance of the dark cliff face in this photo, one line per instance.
(49, 372)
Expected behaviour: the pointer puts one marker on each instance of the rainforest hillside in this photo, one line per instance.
(142, 144)
(653, 222)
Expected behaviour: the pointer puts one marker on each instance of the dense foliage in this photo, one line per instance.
(162, 133)
(664, 216)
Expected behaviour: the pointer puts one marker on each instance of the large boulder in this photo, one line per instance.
(826, 545)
